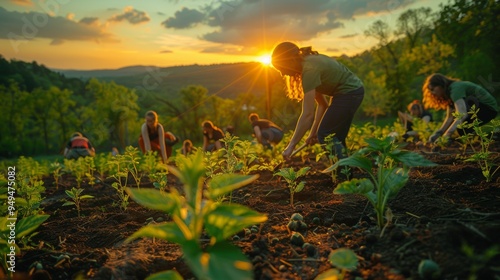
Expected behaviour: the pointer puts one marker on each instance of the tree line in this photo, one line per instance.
(41, 108)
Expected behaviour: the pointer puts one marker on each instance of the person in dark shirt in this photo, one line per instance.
(266, 132)
(211, 137)
(154, 138)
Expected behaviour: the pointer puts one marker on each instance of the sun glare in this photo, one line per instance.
(265, 60)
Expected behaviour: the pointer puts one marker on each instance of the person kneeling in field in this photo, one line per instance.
(154, 138)
(78, 146)
(441, 92)
(416, 111)
(266, 131)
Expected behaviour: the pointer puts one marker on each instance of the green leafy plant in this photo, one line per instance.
(383, 156)
(131, 158)
(56, 170)
(481, 155)
(480, 262)
(23, 228)
(120, 174)
(344, 259)
(291, 177)
(76, 197)
(192, 215)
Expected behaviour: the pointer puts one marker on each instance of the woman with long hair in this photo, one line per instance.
(444, 93)
(312, 77)
(154, 138)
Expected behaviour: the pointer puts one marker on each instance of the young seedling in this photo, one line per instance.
(291, 177)
(344, 259)
(387, 179)
(76, 197)
(192, 215)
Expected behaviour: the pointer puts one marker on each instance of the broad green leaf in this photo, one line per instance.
(344, 258)
(29, 224)
(357, 186)
(224, 220)
(86, 196)
(67, 203)
(354, 161)
(410, 159)
(303, 171)
(394, 181)
(220, 261)
(300, 186)
(226, 183)
(165, 275)
(70, 194)
(167, 231)
(155, 199)
(288, 173)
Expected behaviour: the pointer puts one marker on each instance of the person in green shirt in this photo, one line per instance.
(312, 78)
(441, 92)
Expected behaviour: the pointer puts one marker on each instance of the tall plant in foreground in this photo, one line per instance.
(191, 216)
(388, 178)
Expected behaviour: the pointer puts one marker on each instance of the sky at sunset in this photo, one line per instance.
(109, 34)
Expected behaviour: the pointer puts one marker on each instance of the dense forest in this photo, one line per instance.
(42, 107)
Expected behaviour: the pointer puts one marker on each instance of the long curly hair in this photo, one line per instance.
(287, 58)
(435, 102)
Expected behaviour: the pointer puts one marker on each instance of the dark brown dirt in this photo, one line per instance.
(439, 211)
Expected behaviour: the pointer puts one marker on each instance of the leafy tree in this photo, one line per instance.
(376, 103)
(472, 27)
(115, 106)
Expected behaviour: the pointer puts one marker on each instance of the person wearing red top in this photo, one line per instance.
(154, 138)
(78, 146)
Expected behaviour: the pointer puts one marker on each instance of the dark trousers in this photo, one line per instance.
(484, 115)
(338, 118)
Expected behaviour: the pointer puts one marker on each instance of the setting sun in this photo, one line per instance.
(265, 59)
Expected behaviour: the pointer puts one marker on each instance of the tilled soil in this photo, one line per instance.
(440, 212)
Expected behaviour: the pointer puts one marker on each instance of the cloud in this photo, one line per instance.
(262, 24)
(166, 51)
(22, 2)
(33, 25)
(347, 36)
(93, 21)
(184, 18)
(131, 15)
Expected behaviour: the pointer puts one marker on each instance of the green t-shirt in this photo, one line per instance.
(327, 76)
(463, 89)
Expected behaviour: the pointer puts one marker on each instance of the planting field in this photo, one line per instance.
(446, 213)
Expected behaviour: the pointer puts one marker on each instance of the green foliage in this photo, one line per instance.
(480, 261)
(344, 259)
(24, 227)
(483, 156)
(192, 215)
(386, 177)
(291, 177)
(76, 198)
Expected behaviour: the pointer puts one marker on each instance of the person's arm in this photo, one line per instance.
(205, 142)
(304, 123)
(444, 126)
(161, 139)
(320, 111)
(461, 108)
(145, 137)
(258, 133)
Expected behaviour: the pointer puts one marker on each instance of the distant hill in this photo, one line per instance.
(224, 80)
